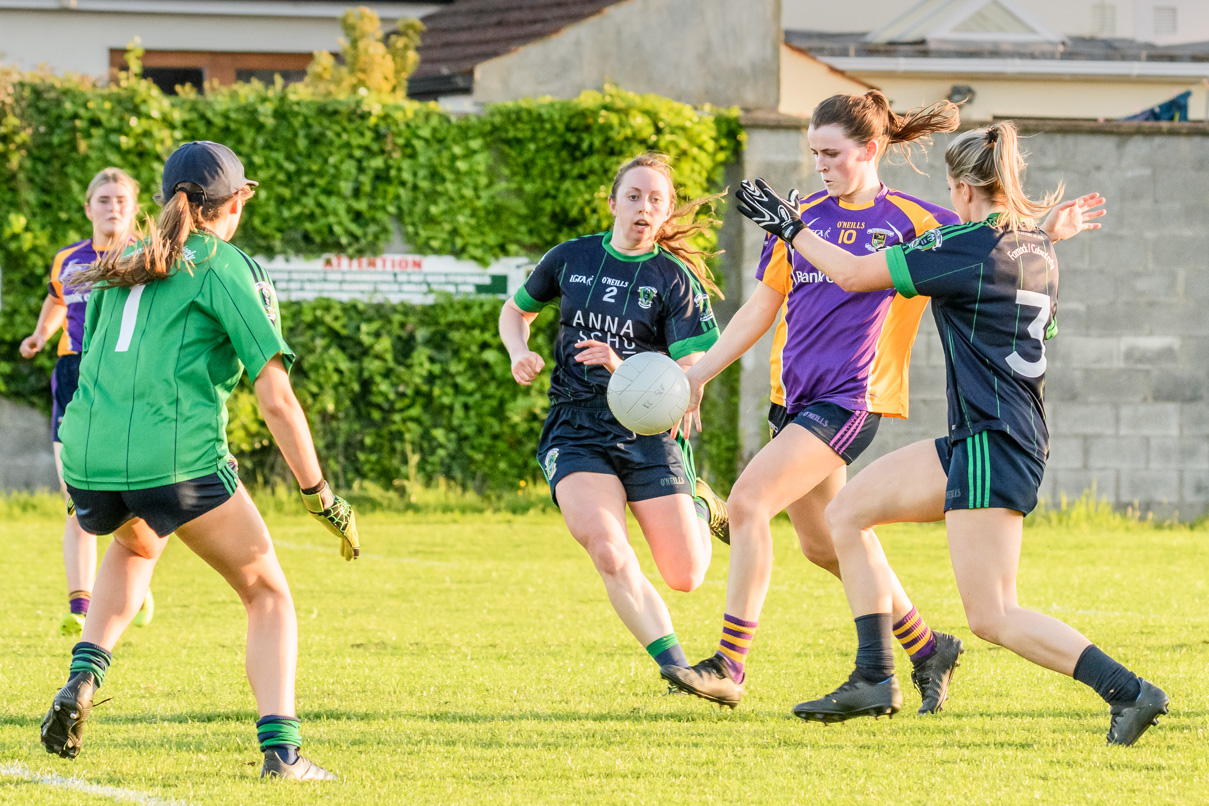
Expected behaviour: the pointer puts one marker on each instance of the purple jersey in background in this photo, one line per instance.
(852, 349)
(69, 259)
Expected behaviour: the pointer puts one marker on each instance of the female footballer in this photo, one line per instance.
(839, 364)
(110, 203)
(638, 287)
(993, 282)
(171, 326)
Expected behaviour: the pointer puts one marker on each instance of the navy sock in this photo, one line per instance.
(875, 647)
(1111, 680)
(702, 509)
(667, 651)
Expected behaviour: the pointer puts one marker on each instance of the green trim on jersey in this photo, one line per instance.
(900, 275)
(694, 344)
(608, 247)
(527, 303)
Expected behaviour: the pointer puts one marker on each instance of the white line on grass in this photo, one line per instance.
(16, 770)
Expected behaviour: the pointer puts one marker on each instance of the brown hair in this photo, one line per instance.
(990, 160)
(869, 117)
(115, 176)
(682, 223)
(155, 255)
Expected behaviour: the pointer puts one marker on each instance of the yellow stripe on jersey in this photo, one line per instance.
(776, 360)
(56, 285)
(778, 274)
(889, 391)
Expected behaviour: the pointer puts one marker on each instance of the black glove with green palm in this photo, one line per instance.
(336, 515)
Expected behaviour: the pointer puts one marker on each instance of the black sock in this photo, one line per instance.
(875, 647)
(1111, 680)
(286, 752)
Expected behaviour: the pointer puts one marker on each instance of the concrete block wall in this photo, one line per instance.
(1127, 386)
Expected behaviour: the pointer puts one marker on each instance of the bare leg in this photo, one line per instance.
(79, 547)
(782, 472)
(680, 541)
(906, 486)
(593, 506)
(808, 516)
(234, 541)
(985, 547)
(122, 582)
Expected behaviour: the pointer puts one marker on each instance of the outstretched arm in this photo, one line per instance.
(761, 204)
(1070, 218)
(51, 318)
(514, 333)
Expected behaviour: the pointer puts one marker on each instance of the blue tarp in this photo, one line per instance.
(1175, 109)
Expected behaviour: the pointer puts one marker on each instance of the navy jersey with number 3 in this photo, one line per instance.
(994, 296)
(633, 303)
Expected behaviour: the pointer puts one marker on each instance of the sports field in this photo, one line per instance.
(473, 658)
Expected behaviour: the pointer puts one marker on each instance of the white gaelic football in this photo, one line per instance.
(648, 393)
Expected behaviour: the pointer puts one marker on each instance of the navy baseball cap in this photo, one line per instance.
(211, 166)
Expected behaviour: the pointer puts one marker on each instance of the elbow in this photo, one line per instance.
(849, 282)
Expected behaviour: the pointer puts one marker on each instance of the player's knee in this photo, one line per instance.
(820, 551)
(744, 506)
(686, 579)
(986, 625)
(608, 555)
(843, 519)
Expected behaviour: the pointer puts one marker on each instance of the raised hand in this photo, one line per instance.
(757, 201)
(1070, 218)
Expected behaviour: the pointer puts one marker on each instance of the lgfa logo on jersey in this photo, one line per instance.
(268, 299)
(932, 239)
(646, 296)
(702, 300)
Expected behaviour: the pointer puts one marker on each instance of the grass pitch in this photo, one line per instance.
(474, 659)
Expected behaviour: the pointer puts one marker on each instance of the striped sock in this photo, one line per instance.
(915, 636)
(667, 651)
(78, 602)
(737, 636)
(86, 657)
(280, 734)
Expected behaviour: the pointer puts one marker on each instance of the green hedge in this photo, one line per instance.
(396, 392)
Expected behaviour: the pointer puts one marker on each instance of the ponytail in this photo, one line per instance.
(682, 223)
(869, 117)
(156, 254)
(990, 160)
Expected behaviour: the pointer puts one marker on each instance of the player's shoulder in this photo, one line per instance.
(951, 236)
(79, 249)
(207, 252)
(578, 247)
(818, 197)
(923, 213)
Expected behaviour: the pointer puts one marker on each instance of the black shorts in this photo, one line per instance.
(990, 470)
(101, 512)
(64, 381)
(586, 438)
(846, 432)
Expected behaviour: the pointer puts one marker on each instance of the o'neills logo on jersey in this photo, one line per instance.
(646, 296)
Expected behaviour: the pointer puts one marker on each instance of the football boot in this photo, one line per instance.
(63, 727)
(856, 697)
(72, 624)
(932, 674)
(719, 520)
(301, 770)
(146, 612)
(1130, 721)
(710, 680)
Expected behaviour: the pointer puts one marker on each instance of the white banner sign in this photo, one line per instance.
(417, 279)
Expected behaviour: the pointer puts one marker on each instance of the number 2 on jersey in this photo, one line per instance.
(130, 313)
(610, 294)
(1036, 329)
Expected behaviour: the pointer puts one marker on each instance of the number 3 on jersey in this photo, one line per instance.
(130, 314)
(1036, 329)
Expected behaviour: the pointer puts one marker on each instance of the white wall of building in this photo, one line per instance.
(79, 41)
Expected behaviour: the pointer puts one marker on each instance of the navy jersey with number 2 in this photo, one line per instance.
(994, 296)
(633, 303)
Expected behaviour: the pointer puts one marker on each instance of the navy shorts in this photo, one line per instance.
(64, 381)
(101, 512)
(586, 438)
(846, 432)
(990, 470)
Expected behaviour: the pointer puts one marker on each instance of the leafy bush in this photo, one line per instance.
(398, 395)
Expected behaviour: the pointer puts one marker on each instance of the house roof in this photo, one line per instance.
(826, 46)
(468, 32)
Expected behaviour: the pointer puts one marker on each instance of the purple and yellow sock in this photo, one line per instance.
(78, 602)
(737, 636)
(915, 636)
(667, 651)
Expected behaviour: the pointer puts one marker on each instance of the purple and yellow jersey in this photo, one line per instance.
(852, 349)
(69, 259)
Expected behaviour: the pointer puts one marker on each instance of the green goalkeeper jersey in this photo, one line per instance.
(160, 361)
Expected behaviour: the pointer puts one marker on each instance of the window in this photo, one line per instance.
(1103, 19)
(169, 78)
(1164, 21)
(169, 68)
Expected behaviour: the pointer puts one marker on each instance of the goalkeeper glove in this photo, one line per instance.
(761, 204)
(336, 515)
